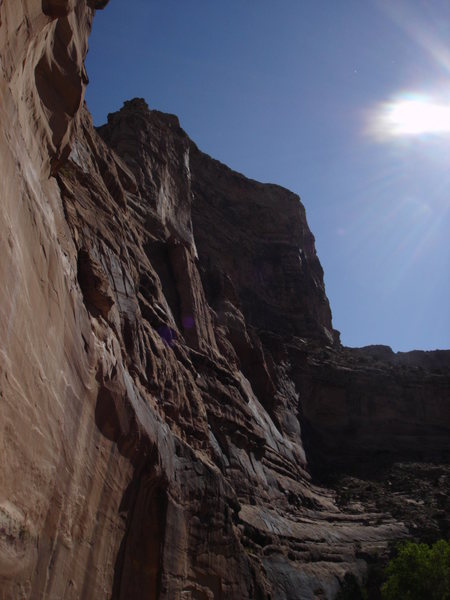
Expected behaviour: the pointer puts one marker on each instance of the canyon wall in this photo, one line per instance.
(170, 381)
(61, 480)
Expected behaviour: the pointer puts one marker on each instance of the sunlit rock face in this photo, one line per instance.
(166, 349)
(61, 480)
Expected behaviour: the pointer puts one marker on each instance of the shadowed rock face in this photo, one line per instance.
(365, 407)
(169, 371)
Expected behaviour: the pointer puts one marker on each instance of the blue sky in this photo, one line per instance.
(293, 93)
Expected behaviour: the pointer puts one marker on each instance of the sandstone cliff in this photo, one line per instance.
(171, 386)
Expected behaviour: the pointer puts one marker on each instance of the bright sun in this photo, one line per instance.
(411, 116)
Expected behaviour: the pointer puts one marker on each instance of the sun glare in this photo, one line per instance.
(410, 116)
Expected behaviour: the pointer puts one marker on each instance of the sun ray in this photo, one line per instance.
(424, 32)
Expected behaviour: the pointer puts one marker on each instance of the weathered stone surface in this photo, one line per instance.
(257, 252)
(169, 372)
(61, 481)
(364, 407)
(42, 49)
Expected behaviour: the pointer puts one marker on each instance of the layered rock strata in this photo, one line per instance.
(166, 353)
(61, 481)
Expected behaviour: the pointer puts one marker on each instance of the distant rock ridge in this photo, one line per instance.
(175, 406)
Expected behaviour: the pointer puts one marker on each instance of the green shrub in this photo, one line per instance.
(419, 572)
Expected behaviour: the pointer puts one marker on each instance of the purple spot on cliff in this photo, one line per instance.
(188, 322)
(168, 335)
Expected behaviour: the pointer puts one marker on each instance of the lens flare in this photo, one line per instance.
(413, 117)
(410, 116)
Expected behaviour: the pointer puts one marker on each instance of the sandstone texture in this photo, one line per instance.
(178, 418)
(61, 480)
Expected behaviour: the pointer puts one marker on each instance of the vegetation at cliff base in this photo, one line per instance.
(419, 572)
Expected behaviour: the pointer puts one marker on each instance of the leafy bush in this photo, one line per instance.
(419, 572)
